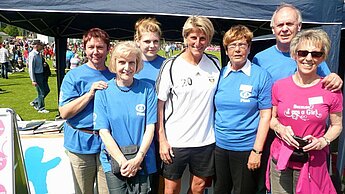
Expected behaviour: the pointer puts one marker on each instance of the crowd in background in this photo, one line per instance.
(221, 122)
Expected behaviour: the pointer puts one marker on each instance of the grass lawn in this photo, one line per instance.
(18, 93)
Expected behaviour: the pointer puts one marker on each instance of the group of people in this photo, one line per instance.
(145, 114)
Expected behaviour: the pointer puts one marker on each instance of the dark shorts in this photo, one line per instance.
(199, 159)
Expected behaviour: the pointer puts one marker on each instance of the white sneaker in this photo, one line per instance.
(43, 111)
(32, 103)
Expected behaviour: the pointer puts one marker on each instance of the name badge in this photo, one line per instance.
(246, 88)
(315, 100)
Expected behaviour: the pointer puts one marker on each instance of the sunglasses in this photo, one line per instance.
(314, 54)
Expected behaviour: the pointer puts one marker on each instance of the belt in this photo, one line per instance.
(89, 131)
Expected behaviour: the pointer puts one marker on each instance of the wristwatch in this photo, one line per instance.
(257, 152)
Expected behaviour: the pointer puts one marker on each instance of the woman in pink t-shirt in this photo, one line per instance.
(301, 108)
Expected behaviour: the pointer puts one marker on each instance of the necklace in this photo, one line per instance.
(124, 90)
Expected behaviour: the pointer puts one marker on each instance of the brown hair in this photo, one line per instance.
(96, 33)
(237, 33)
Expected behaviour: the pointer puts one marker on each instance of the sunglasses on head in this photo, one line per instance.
(314, 54)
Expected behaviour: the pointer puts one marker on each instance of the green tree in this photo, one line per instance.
(11, 30)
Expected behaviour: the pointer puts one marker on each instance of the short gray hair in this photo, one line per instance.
(284, 5)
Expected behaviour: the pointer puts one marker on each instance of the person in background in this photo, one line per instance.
(4, 60)
(147, 37)
(37, 77)
(285, 23)
(76, 105)
(134, 124)
(69, 56)
(75, 61)
(26, 54)
(185, 89)
(243, 112)
(304, 114)
(47, 72)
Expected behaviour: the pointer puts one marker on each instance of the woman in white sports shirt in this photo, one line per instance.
(185, 88)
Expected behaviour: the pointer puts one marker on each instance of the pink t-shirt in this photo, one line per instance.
(304, 109)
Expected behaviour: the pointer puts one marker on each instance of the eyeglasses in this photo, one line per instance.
(314, 54)
(241, 45)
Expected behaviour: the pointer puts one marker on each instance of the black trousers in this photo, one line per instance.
(232, 173)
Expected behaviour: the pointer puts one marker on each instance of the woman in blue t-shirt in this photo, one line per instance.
(243, 111)
(76, 104)
(125, 114)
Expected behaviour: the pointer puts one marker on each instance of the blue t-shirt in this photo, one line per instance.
(150, 71)
(126, 115)
(76, 83)
(280, 65)
(238, 101)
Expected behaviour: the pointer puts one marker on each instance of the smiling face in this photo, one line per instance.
(285, 26)
(96, 52)
(196, 42)
(149, 45)
(308, 64)
(238, 52)
(125, 67)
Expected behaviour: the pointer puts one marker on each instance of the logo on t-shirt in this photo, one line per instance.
(245, 92)
(140, 108)
(302, 112)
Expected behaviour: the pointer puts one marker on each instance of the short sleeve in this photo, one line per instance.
(265, 95)
(100, 115)
(337, 102)
(275, 94)
(68, 91)
(163, 83)
(151, 112)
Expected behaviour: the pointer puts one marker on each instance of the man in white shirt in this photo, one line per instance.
(4, 55)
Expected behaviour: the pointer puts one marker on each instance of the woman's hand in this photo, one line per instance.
(286, 133)
(100, 85)
(254, 161)
(314, 143)
(130, 167)
(166, 152)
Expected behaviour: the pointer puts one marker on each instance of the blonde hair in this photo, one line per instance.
(124, 49)
(237, 33)
(316, 37)
(199, 22)
(146, 25)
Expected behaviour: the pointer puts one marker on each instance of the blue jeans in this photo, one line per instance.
(117, 184)
(42, 89)
(4, 70)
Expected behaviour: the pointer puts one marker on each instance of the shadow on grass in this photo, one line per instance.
(18, 76)
(4, 92)
(9, 84)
